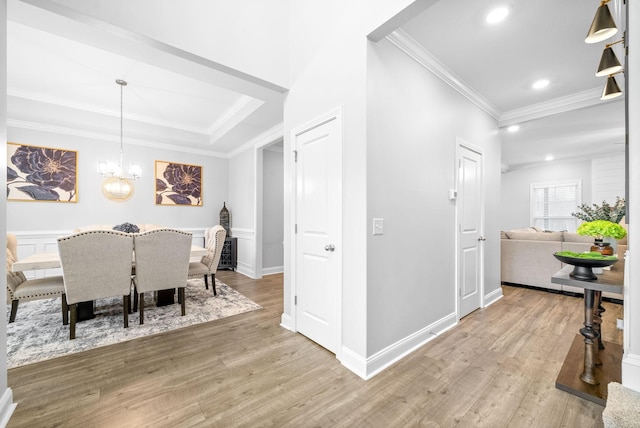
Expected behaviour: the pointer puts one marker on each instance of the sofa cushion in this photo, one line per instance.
(535, 236)
(574, 237)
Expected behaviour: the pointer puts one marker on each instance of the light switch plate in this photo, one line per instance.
(378, 226)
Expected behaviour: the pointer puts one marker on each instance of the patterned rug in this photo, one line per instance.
(38, 333)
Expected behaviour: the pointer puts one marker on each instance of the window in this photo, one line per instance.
(552, 205)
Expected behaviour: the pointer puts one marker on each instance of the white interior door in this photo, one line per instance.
(470, 227)
(318, 237)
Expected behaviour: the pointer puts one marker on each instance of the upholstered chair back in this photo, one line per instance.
(214, 241)
(162, 259)
(14, 279)
(96, 264)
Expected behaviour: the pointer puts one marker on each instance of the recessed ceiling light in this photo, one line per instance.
(548, 158)
(513, 128)
(540, 84)
(497, 15)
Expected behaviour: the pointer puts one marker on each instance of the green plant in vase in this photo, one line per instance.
(599, 229)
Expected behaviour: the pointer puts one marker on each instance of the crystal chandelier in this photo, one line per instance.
(117, 186)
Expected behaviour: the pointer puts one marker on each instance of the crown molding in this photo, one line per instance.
(238, 112)
(587, 98)
(267, 137)
(417, 52)
(107, 137)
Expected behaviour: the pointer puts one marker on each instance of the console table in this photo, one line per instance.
(591, 363)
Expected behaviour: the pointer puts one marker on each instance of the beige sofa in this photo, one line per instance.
(527, 257)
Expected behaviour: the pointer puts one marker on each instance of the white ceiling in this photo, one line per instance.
(539, 39)
(62, 75)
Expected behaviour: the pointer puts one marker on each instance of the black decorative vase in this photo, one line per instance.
(224, 218)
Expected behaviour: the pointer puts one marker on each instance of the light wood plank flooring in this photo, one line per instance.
(496, 369)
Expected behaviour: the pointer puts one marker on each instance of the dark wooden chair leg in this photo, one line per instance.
(181, 299)
(206, 282)
(213, 284)
(141, 302)
(65, 310)
(135, 299)
(14, 310)
(73, 309)
(126, 305)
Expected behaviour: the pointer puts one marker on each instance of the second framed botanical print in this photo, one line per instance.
(178, 184)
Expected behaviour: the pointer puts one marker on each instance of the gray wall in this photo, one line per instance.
(273, 209)
(514, 212)
(413, 121)
(93, 207)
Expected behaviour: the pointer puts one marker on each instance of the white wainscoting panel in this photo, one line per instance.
(246, 251)
(47, 242)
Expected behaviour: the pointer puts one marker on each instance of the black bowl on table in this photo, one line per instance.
(582, 266)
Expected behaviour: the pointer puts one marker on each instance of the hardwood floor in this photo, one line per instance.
(497, 368)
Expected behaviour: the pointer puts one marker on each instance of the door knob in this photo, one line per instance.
(329, 247)
(482, 238)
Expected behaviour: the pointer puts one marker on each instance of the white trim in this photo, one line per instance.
(7, 406)
(493, 297)
(422, 56)
(242, 233)
(354, 362)
(417, 52)
(631, 371)
(245, 269)
(285, 322)
(267, 137)
(587, 98)
(272, 270)
(107, 137)
(367, 368)
(238, 112)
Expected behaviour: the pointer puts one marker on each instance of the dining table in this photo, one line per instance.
(86, 310)
(51, 260)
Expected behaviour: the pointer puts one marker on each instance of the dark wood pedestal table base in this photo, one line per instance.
(591, 363)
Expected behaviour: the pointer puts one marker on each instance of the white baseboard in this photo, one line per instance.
(494, 296)
(367, 368)
(272, 270)
(246, 270)
(285, 322)
(354, 362)
(7, 406)
(631, 371)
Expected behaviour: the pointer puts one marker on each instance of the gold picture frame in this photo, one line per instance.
(43, 174)
(178, 184)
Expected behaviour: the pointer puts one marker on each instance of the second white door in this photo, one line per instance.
(318, 232)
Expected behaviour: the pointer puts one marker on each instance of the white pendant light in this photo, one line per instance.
(117, 186)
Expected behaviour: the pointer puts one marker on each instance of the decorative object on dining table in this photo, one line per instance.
(225, 219)
(584, 263)
(41, 174)
(600, 229)
(43, 316)
(127, 227)
(178, 184)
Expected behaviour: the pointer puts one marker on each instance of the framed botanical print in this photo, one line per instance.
(178, 184)
(41, 174)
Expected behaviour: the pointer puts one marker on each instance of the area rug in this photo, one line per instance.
(38, 333)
